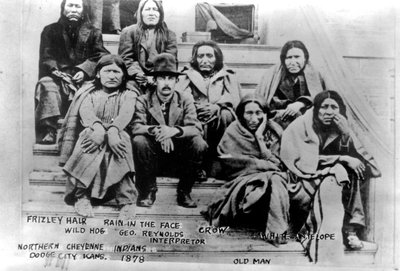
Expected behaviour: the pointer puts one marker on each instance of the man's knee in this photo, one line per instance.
(48, 83)
(197, 144)
(47, 90)
(330, 184)
(330, 190)
(141, 142)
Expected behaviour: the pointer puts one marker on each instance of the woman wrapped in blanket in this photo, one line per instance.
(327, 166)
(256, 195)
(101, 166)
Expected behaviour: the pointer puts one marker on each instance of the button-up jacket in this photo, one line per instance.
(182, 114)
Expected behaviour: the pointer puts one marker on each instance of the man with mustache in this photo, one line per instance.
(166, 130)
(69, 51)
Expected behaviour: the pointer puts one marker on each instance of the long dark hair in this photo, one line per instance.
(293, 44)
(161, 29)
(319, 99)
(109, 60)
(219, 57)
(251, 98)
(85, 13)
(331, 94)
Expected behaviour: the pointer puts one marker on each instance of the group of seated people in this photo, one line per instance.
(284, 150)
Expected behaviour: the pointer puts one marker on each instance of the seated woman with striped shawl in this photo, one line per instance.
(256, 196)
(101, 165)
(327, 168)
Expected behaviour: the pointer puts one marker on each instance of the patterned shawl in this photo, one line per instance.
(71, 126)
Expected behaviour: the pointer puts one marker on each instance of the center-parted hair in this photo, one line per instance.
(251, 98)
(161, 29)
(331, 94)
(219, 57)
(290, 45)
(109, 60)
(140, 10)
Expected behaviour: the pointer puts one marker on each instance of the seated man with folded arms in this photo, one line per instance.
(166, 129)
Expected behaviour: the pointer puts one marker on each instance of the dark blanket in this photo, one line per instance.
(59, 51)
(239, 150)
(256, 197)
(245, 201)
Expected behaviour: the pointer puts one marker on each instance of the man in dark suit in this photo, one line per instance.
(69, 51)
(165, 127)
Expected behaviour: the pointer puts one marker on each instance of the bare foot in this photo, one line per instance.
(84, 208)
(354, 242)
(49, 138)
(127, 212)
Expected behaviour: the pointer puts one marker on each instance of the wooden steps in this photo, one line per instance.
(49, 187)
(45, 150)
(58, 178)
(45, 198)
(162, 209)
(47, 184)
